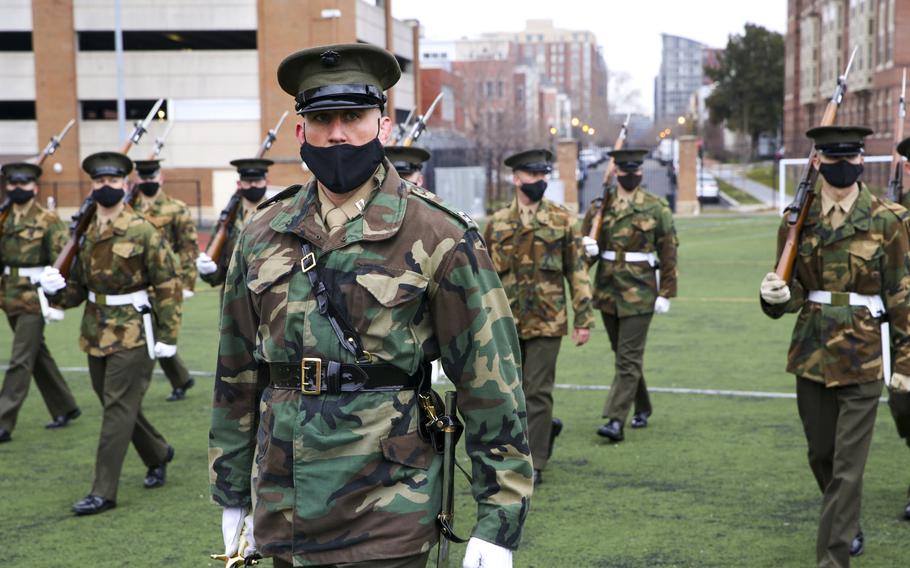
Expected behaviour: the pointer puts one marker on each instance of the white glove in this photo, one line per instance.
(483, 554)
(661, 305)
(187, 294)
(51, 281)
(53, 314)
(164, 351)
(205, 265)
(591, 248)
(899, 383)
(774, 290)
(233, 521)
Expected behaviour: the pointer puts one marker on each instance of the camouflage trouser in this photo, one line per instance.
(538, 373)
(175, 371)
(627, 338)
(417, 561)
(120, 381)
(899, 403)
(30, 356)
(838, 423)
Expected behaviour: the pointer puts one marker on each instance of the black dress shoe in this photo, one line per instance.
(858, 544)
(555, 430)
(92, 505)
(179, 393)
(538, 477)
(157, 474)
(640, 419)
(64, 419)
(611, 430)
(5, 435)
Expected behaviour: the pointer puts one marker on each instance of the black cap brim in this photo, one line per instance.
(535, 168)
(629, 166)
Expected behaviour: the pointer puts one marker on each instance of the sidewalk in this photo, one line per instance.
(734, 174)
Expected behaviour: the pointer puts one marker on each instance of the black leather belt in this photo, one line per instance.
(316, 376)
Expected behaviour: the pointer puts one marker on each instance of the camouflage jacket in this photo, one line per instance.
(33, 240)
(173, 220)
(347, 478)
(645, 225)
(217, 278)
(125, 256)
(534, 262)
(841, 345)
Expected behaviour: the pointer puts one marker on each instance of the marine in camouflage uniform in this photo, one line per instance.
(635, 278)
(174, 222)
(251, 185)
(123, 254)
(30, 239)
(342, 474)
(408, 161)
(536, 248)
(851, 262)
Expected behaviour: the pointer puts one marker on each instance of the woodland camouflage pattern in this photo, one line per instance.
(34, 240)
(123, 257)
(841, 345)
(217, 278)
(173, 220)
(645, 225)
(345, 478)
(534, 262)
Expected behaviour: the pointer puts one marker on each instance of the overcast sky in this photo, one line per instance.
(629, 32)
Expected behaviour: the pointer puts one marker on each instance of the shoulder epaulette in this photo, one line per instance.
(435, 201)
(897, 209)
(283, 194)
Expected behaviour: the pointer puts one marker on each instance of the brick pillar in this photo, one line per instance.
(686, 201)
(55, 95)
(566, 163)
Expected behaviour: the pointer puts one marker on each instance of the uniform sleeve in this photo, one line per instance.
(186, 247)
(76, 290)
(232, 438)
(55, 239)
(797, 291)
(576, 272)
(586, 224)
(480, 354)
(167, 296)
(896, 293)
(667, 244)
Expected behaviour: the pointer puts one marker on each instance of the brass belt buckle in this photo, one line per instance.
(308, 262)
(311, 382)
(840, 299)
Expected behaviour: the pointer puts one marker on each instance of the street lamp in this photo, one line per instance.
(553, 131)
(575, 121)
(681, 120)
(585, 128)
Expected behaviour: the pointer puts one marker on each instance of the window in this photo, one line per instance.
(107, 109)
(17, 110)
(15, 41)
(168, 40)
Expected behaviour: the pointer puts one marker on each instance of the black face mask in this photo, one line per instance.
(107, 196)
(19, 195)
(629, 181)
(253, 194)
(148, 188)
(343, 168)
(534, 191)
(841, 173)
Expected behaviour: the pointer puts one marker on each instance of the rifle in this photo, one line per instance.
(421, 123)
(133, 195)
(402, 128)
(798, 210)
(6, 204)
(609, 174)
(896, 183)
(82, 220)
(229, 214)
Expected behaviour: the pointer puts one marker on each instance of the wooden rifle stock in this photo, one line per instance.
(896, 183)
(609, 174)
(78, 227)
(225, 223)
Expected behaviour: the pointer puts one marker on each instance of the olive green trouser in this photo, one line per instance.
(838, 423)
(120, 381)
(628, 336)
(30, 356)
(416, 561)
(175, 371)
(538, 373)
(899, 403)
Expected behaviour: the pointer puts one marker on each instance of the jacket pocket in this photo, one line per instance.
(393, 287)
(409, 450)
(268, 271)
(548, 245)
(865, 261)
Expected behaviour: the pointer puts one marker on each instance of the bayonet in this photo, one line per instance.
(141, 127)
(271, 136)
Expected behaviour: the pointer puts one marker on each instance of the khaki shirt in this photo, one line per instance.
(838, 211)
(526, 212)
(335, 216)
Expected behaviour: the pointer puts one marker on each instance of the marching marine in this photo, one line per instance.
(535, 249)
(174, 222)
(30, 239)
(635, 279)
(128, 279)
(339, 294)
(408, 161)
(852, 292)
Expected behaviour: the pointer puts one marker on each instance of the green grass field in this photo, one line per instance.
(742, 197)
(712, 482)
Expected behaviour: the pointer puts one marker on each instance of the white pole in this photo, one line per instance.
(118, 58)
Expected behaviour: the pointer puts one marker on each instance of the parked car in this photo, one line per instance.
(706, 189)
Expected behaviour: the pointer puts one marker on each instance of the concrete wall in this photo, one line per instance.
(16, 15)
(167, 14)
(19, 137)
(17, 76)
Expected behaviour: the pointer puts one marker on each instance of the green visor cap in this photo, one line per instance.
(252, 168)
(107, 164)
(147, 168)
(535, 161)
(20, 172)
(629, 159)
(903, 148)
(839, 140)
(334, 77)
(407, 159)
